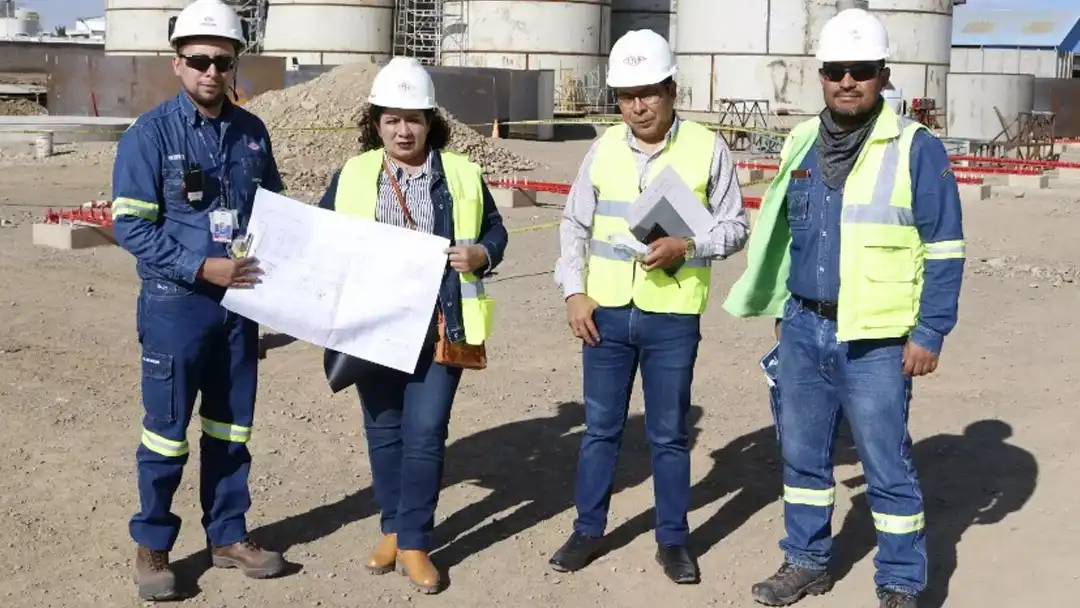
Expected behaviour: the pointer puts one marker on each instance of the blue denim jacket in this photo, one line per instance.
(235, 156)
(493, 238)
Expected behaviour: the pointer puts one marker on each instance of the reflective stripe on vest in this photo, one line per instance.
(614, 278)
(881, 253)
(357, 195)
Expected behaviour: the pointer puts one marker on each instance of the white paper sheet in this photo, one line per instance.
(671, 203)
(353, 285)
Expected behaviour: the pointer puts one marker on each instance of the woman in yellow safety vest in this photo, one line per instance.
(406, 178)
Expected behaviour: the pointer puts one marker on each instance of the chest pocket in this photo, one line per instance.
(253, 161)
(798, 204)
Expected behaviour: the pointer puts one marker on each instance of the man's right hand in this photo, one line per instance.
(225, 272)
(579, 315)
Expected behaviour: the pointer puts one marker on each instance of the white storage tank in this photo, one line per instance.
(139, 27)
(976, 99)
(770, 56)
(920, 39)
(765, 52)
(571, 38)
(329, 32)
(655, 15)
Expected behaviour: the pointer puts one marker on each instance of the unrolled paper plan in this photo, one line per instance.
(356, 286)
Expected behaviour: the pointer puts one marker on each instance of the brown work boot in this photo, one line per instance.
(384, 556)
(155, 579)
(421, 572)
(251, 559)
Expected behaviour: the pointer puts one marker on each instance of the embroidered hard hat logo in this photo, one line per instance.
(634, 60)
(404, 87)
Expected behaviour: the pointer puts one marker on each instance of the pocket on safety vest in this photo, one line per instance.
(887, 297)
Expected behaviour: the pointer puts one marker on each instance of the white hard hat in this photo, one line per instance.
(853, 35)
(640, 58)
(212, 18)
(403, 84)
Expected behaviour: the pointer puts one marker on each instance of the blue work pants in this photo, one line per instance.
(406, 419)
(665, 346)
(820, 380)
(192, 346)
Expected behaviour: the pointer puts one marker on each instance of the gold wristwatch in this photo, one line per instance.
(690, 247)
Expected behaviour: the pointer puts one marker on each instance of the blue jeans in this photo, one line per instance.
(665, 345)
(191, 346)
(406, 417)
(819, 381)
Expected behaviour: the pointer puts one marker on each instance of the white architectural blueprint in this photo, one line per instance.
(353, 285)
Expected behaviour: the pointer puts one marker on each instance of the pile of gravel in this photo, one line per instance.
(313, 129)
(20, 107)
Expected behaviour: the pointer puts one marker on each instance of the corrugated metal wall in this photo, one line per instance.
(1040, 63)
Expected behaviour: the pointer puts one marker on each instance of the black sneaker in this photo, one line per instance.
(895, 599)
(790, 584)
(576, 553)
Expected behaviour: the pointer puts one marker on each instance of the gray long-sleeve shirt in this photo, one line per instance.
(728, 234)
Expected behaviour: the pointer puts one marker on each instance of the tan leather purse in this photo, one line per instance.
(450, 354)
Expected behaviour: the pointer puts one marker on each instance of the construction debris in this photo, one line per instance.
(313, 129)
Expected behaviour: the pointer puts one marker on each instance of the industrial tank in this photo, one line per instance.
(329, 32)
(767, 54)
(976, 99)
(764, 52)
(139, 27)
(920, 39)
(655, 15)
(571, 38)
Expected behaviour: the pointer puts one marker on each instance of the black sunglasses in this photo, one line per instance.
(860, 72)
(202, 63)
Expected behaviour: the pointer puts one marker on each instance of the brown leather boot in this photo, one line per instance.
(422, 574)
(384, 556)
(251, 559)
(155, 579)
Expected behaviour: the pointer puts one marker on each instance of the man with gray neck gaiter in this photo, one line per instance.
(858, 252)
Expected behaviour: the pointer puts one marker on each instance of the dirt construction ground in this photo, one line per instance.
(995, 431)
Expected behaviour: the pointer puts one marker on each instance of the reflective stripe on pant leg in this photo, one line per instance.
(170, 326)
(809, 414)
(227, 412)
(878, 396)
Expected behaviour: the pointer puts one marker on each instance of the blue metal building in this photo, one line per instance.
(1001, 38)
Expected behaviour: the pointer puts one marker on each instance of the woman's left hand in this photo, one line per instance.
(466, 258)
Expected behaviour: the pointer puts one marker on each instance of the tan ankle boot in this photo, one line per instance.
(383, 557)
(421, 572)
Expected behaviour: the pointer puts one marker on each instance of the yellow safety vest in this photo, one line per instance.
(357, 195)
(613, 279)
(881, 253)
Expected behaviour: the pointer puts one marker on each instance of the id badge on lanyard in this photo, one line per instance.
(223, 223)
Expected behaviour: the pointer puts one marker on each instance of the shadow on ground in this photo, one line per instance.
(973, 479)
(529, 465)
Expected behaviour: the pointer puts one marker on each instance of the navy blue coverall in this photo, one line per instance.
(190, 344)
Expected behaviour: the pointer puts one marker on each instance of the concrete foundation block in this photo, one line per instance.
(747, 176)
(512, 198)
(1030, 182)
(70, 236)
(975, 192)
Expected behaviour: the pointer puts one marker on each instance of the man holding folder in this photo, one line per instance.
(630, 308)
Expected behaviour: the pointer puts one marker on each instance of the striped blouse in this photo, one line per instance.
(416, 188)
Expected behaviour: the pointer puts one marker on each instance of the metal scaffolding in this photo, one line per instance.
(418, 30)
(253, 13)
